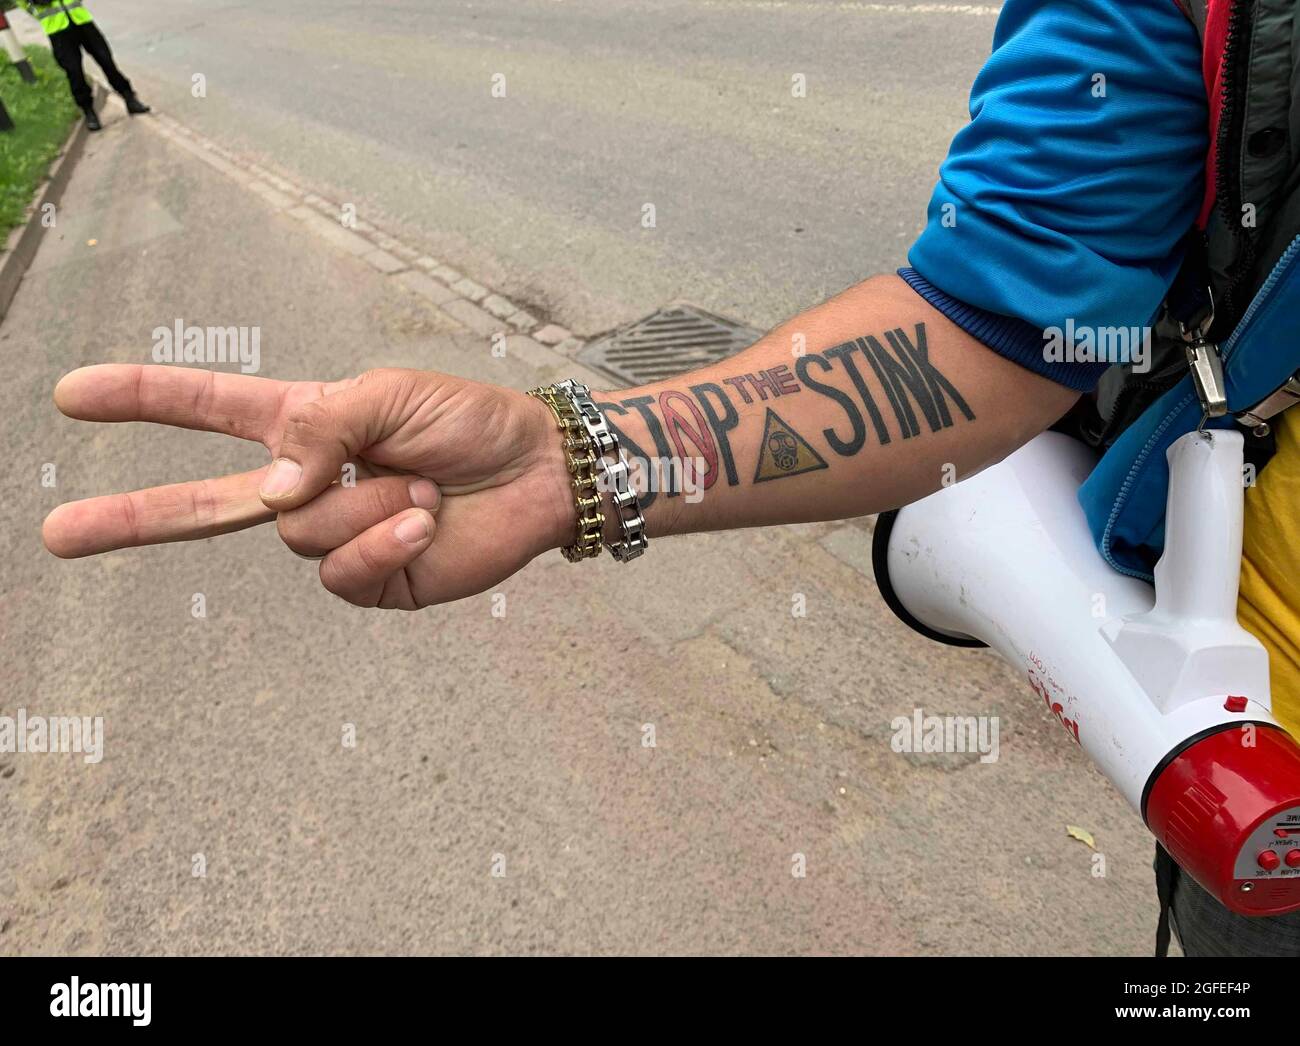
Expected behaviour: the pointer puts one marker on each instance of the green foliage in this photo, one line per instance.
(43, 113)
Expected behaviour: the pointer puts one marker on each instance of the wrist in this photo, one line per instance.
(557, 512)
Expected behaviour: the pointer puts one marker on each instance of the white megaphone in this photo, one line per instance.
(1162, 688)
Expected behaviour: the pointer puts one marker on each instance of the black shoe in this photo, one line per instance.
(134, 106)
(92, 121)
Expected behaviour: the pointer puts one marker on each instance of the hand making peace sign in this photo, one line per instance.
(483, 461)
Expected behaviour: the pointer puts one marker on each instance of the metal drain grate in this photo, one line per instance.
(671, 341)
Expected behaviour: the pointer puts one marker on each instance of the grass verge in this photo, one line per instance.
(43, 114)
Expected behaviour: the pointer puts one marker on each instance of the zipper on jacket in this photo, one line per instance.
(1227, 150)
(1265, 289)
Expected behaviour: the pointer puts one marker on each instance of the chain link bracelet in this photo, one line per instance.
(589, 444)
(580, 456)
(614, 471)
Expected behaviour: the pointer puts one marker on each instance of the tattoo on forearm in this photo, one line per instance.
(720, 424)
(843, 354)
(776, 380)
(784, 452)
(698, 423)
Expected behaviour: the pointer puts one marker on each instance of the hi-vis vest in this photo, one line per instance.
(1227, 343)
(58, 15)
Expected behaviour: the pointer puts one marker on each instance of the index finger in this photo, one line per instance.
(213, 401)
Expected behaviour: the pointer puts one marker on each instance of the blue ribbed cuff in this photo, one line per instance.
(1008, 336)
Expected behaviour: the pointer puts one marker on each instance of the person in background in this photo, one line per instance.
(71, 30)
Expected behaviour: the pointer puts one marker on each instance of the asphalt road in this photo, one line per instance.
(765, 203)
(496, 742)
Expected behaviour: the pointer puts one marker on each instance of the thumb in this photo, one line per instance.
(321, 436)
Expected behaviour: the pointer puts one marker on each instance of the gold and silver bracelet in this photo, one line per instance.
(580, 456)
(592, 435)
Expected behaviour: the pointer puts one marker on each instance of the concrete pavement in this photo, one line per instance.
(484, 743)
(537, 188)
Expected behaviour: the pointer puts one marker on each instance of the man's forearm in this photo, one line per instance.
(866, 402)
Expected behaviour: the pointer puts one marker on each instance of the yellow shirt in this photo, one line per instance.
(1269, 605)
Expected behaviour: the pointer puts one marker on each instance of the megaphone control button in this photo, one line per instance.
(1292, 857)
(1268, 860)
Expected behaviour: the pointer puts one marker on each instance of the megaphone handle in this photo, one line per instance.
(1199, 571)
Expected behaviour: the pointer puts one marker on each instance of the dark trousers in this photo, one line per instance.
(67, 45)
(1205, 927)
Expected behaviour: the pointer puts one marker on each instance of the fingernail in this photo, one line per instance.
(282, 479)
(412, 529)
(424, 494)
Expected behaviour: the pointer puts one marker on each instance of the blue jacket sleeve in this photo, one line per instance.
(1068, 195)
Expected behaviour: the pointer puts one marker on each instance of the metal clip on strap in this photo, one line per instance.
(1206, 365)
(1257, 418)
(1207, 376)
